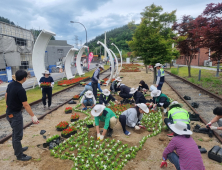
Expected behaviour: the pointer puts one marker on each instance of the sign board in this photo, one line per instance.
(9, 73)
(127, 60)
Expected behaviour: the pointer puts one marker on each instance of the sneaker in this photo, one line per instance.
(24, 157)
(171, 134)
(127, 133)
(85, 108)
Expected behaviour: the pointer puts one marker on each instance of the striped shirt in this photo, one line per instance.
(188, 152)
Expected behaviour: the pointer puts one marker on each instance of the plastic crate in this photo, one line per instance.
(214, 155)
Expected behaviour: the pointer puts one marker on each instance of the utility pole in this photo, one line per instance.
(76, 41)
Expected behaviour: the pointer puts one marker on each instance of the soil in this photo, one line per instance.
(149, 157)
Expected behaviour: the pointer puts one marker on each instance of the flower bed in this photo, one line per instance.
(66, 133)
(75, 117)
(89, 123)
(76, 97)
(130, 68)
(45, 85)
(106, 79)
(118, 109)
(62, 125)
(70, 82)
(68, 110)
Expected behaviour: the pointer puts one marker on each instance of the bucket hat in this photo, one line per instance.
(132, 91)
(97, 110)
(180, 128)
(157, 65)
(155, 93)
(152, 87)
(118, 84)
(46, 72)
(175, 103)
(101, 66)
(89, 94)
(118, 79)
(106, 92)
(143, 107)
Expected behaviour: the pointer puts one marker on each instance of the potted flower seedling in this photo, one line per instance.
(89, 123)
(50, 139)
(76, 97)
(68, 110)
(66, 133)
(45, 85)
(75, 117)
(62, 125)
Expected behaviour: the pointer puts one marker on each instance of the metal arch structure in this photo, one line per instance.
(68, 60)
(78, 61)
(116, 74)
(120, 57)
(111, 60)
(38, 54)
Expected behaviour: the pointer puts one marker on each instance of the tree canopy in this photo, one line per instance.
(6, 20)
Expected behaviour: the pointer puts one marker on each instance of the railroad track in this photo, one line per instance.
(207, 101)
(58, 99)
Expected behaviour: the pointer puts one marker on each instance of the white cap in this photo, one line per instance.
(118, 84)
(155, 93)
(118, 79)
(152, 87)
(46, 72)
(101, 66)
(157, 65)
(97, 110)
(106, 92)
(89, 94)
(180, 128)
(132, 91)
(143, 107)
(175, 103)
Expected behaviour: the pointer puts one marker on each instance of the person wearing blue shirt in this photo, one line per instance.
(160, 76)
(89, 87)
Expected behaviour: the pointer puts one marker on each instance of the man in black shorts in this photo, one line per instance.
(15, 97)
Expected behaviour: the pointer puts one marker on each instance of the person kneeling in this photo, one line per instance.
(138, 96)
(132, 117)
(88, 99)
(218, 118)
(104, 116)
(106, 97)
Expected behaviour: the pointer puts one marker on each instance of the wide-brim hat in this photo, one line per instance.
(101, 66)
(155, 93)
(97, 110)
(180, 128)
(118, 79)
(152, 87)
(132, 91)
(89, 94)
(118, 84)
(157, 65)
(143, 107)
(106, 92)
(46, 72)
(175, 103)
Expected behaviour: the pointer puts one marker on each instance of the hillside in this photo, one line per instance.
(118, 36)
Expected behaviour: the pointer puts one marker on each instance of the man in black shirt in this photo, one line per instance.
(15, 97)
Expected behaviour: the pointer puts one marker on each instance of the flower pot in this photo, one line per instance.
(69, 111)
(73, 120)
(68, 135)
(45, 87)
(61, 129)
(89, 126)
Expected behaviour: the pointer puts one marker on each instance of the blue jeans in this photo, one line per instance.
(159, 87)
(88, 102)
(174, 159)
(87, 87)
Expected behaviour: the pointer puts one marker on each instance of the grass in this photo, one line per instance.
(36, 93)
(207, 81)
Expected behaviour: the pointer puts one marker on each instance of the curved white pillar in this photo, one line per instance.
(111, 60)
(78, 60)
(116, 74)
(38, 54)
(120, 57)
(68, 61)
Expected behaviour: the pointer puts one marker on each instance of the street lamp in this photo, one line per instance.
(83, 26)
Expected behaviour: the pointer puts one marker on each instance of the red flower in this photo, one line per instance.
(62, 124)
(75, 116)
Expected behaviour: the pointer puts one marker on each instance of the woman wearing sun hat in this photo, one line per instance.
(105, 97)
(138, 96)
(104, 117)
(187, 154)
(132, 117)
(160, 100)
(46, 91)
(88, 99)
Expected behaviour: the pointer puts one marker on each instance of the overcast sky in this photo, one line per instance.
(98, 16)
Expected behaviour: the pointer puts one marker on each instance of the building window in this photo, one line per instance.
(60, 51)
(20, 41)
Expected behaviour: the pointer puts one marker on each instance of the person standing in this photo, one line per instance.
(16, 98)
(95, 79)
(159, 76)
(47, 91)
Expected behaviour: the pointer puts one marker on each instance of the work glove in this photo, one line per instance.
(154, 106)
(137, 128)
(98, 136)
(35, 119)
(52, 85)
(150, 106)
(101, 137)
(208, 125)
(163, 164)
(213, 127)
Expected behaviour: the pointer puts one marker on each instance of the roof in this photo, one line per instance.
(59, 43)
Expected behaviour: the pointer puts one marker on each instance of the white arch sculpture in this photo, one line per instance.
(38, 54)
(78, 60)
(120, 57)
(116, 74)
(111, 60)
(68, 61)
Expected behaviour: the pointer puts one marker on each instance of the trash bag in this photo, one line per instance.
(195, 105)
(187, 97)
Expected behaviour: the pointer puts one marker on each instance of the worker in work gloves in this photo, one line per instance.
(105, 97)
(104, 117)
(95, 79)
(113, 86)
(16, 98)
(177, 113)
(159, 76)
(132, 117)
(160, 100)
(218, 118)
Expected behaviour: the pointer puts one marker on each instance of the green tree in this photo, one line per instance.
(152, 39)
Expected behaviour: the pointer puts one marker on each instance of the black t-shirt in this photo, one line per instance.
(16, 94)
(49, 79)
